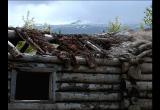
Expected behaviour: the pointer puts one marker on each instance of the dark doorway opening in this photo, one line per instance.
(32, 86)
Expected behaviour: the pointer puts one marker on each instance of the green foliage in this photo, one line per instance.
(114, 26)
(148, 16)
(29, 23)
(21, 44)
(141, 26)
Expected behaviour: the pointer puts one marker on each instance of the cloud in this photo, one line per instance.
(64, 12)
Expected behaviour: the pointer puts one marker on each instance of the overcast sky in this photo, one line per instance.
(65, 12)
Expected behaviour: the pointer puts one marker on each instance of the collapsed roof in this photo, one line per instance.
(71, 45)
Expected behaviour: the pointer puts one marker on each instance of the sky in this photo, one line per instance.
(66, 12)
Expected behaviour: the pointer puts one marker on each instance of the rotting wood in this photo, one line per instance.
(142, 85)
(54, 59)
(13, 50)
(87, 87)
(13, 84)
(64, 106)
(87, 96)
(36, 69)
(146, 68)
(147, 60)
(145, 94)
(89, 78)
(100, 69)
(145, 104)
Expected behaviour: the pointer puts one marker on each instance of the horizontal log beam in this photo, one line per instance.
(145, 94)
(87, 87)
(54, 59)
(146, 68)
(87, 96)
(147, 59)
(99, 69)
(88, 78)
(142, 85)
(35, 69)
(63, 106)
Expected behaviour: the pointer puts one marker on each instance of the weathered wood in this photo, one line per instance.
(147, 59)
(81, 68)
(87, 87)
(54, 59)
(53, 86)
(9, 85)
(145, 77)
(13, 84)
(89, 44)
(146, 104)
(64, 106)
(145, 94)
(36, 69)
(13, 50)
(88, 78)
(99, 69)
(142, 85)
(145, 53)
(146, 68)
(87, 96)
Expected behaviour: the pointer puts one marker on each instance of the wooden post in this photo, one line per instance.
(52, 87)
(13, 85)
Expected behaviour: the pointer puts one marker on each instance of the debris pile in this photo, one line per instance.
(89, 47)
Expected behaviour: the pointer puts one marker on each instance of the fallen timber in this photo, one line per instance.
(115, 83)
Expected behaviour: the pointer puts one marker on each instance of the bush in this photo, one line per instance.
(114, 26)
(29, 23)
(148, 16)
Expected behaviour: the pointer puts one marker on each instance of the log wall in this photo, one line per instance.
(84, 88)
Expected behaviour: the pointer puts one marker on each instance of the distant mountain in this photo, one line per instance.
(78, 28)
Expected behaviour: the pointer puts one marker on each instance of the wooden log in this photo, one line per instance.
(145, 53)
(54, 59)
(87, 87)
(92, 46)
(12, 35)
(9, 85)
(88, 78)
(145, 77)
(147, 59)
(145, 104)
(100, 69)
(142, 85)
(36, 69)
(146, 68)
(145, 94)
(88, 106)
(12, 50)
(63, 106)
(145, 46)
(81, 68)
(87, 96)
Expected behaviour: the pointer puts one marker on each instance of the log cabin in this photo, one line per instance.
(78, 74)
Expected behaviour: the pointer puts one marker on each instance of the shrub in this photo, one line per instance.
(148, 16)
(114, 26)
(141, 26)
(29, 23)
